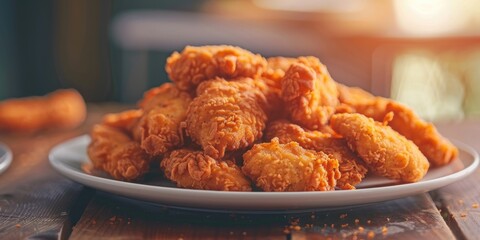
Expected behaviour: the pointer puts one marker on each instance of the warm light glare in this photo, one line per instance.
(431, 17)
(426, 84)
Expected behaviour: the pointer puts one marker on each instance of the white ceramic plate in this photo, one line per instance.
(67, 158)
(5, 157)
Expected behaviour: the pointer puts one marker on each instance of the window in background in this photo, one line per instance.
(438, 86)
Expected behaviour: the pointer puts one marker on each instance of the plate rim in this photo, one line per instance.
(6, 158)
(420, 187)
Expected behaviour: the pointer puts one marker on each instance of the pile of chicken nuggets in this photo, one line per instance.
(232, 120)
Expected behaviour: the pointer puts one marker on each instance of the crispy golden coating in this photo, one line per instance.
(225, 116)
(60, 109)
(276, 68)
(436, 148)
(289, 167)
(196, 170)
(352, 168)
(309, 93)
(158, 130)
(385, 151)
(196, 64)
(125, 120)
(114, 152)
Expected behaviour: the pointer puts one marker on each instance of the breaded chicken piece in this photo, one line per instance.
(158, 130)
(289, 167)
(225, 116)
(125, 120)
(196, 170)
(114, 152)
(352, 168)
(436, 148)
(309, 93)
(196, 64)
(276, 68)
(61, 109)
(385, 151)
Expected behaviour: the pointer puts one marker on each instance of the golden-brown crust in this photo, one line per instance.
(123, 120)
(352, 168)
(309, 93)
(225, 117)
(196, 64)
(196, 170)
(159, 130)
(385, 151)
(289, 167)
(436, 148)
(62, 109)
(114, 152)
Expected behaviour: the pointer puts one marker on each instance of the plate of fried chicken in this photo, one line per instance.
(235, 130)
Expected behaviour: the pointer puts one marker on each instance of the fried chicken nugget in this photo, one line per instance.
(158, 130)
(194, 169)
(225, 116)
(309, 93)
(385, 151)
(352, 168)
(276, 68)
(438, 150)
(63, 108)
(114, 152)
(196, 64)
(276, 167)
(125, 120)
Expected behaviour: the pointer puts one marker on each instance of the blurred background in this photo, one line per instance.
(424, 53)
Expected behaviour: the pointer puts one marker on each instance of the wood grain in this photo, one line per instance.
(460, 201)
(35, 201)
(413, 217)
(111, 217)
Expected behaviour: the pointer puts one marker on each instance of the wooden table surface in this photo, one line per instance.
(38, 203)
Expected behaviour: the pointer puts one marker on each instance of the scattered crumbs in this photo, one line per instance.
(357, 221)
(244, 233)
(342, 216)
(297, 228)
(87, 168)
(18, 226)
(361, 229)
(384, 229)
(370, 235)
(369, 221)
(475, 205)
(463, 214)
(460, 201)
(345, 225)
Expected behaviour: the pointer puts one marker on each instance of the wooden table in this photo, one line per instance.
(38, 203)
